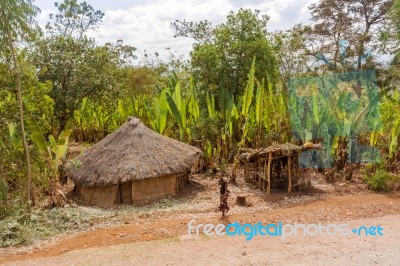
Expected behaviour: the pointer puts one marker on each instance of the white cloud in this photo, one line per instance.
(146, 25)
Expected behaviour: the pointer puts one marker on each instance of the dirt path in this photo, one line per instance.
(331, 209)
(300, 250)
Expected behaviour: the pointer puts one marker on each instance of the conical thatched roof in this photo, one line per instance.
(132, 152)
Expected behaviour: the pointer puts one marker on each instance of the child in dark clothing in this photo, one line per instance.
(224, 194)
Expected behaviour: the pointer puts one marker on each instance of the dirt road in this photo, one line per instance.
(153, 241)
(300, 250)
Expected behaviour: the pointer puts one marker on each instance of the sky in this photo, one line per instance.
(146, 24)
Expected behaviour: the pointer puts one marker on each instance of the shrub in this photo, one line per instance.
(14, 232)
(382, 180)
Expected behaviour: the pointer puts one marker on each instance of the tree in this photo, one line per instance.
(77, 69)
(351, 24)
(200, 31)
(222, 55)
(291, 51)
(395, 16)
(74, 19)
(17, 25)
(394, 70)
(72, 61)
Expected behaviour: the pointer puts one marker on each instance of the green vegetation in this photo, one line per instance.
(382, 180)
(59, 85)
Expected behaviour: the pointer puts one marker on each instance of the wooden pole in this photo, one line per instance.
(289, 173)
(259, 176)
(246, 171)
(269, 172)
(264, 175)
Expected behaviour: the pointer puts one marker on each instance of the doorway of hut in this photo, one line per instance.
(124, 193)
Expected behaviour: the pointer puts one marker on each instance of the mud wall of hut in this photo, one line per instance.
(151, 189)
(100, 196)
(134, 192)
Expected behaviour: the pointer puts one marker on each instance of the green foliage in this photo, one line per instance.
(17, 27)
(358, 21)
(161, 112)
(14, 233)
(222, 55)
(93, 121)
(248, 93)
(382, 180)
(37, 104)
(78, 69)
(76, 66)
(390, 130)
(74, 19)
(395, 15)
(38, 138)
(175, 112)
(55, 151)
(17, 18)
(291, 50)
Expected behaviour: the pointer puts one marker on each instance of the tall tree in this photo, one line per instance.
(74, 19)
(291, 50)
(72, 61)
(222, 55)
(395, 16)
(393, 79)
(17, 25)
(353, 24)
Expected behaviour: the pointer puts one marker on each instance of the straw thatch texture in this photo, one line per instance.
(132, 152)
(285, 149)
(277, 150)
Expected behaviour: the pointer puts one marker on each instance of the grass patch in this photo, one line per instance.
(382, 180)
(20, 229)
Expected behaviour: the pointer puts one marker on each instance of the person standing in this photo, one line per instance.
(224, 195)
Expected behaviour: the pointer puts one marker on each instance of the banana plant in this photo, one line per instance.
(208, 152)
(248, 93)
(260, 103)
(260, 108)
(177, 107)
(315, 106)
(55, 151)
(193, 106)
(210, 100)
(394, 134)
(161, 112)
(246, 102)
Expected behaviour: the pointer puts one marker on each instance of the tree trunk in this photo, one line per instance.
(30, 196)
(29, 190)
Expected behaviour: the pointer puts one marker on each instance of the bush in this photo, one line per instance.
(383, 181)
(14, 233)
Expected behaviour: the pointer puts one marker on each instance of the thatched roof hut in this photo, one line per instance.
(133, 164)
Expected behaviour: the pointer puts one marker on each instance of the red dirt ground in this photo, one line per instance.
(328, 209)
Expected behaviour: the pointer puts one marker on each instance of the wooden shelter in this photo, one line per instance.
(132, 165)
(276, 166)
